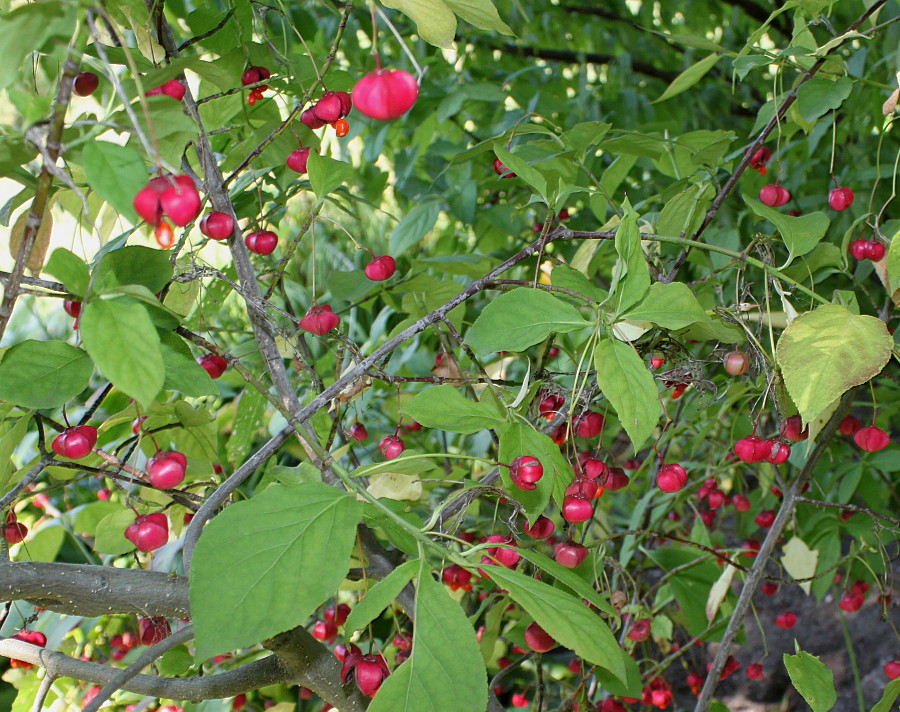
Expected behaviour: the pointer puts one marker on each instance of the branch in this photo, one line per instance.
(87, 590)
(42, 283)
(765, 552)
(251, 676)
(42, 190)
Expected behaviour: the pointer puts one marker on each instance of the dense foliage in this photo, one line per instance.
(514, 385)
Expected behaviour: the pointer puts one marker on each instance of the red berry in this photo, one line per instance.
(166, 469)
(851, 602)
(871, 439)
(765, 518)
(874, 250)
(72, 307)
(617, 479)
(172, 88)
(385, 94)
(656, 362)
(298, 159)
(589, 425)
(639, 631)
(507, 556)
(261, 242)
(330, 107)
(892, 669)
(754, 671)
(148, 531)
(325, 631)
(541, 529)
(391, 446)
(341, 128)
(525, 471)
(174, 196)
(255, 74)
(153, 630)
(337, 614)
(76, 442)
(358, 432)
(457, 578)
(773, 195)
(779, 453)
(671, 478)
(319, 319)
(741, 503)
(380, 268)
(786, 620)
(14, 531)
(519, 700)
(217, 226)
(840, 198)
(769, 588)
(538, 640)
(308, 117)
(759, 159)
(85, 83)
(570, 554)
(213, 364)
(577, 508)
(858, 249)
(369, 671)
(736, 363)
(849, 425)
(792, 429)
(752, 449)
(502, 170)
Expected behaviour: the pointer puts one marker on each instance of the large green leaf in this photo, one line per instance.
(800, 234)
(445, 671)
(522, 318)
(120, 337)
(624, 379)
(569, 621)
(670, 305)
(435, 22)
(414, 226)
(828, 351)
(69, 269)
(684, 212)
(891, 692)
(631, 277)
(380, 596)
(12, 432)
(263, 565)
(445, 408)
(813, 680)
(521, 439)
(523, 170)
(326, 174)
(115, 173)
(183, 373)
(43, 374)
(25, 29)
(819, 96)
(133, 265)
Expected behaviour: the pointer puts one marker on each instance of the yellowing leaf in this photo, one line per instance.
(41, 241)
(718, 592)
(395, 485)
(800, 561)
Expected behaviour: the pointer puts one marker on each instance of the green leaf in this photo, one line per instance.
(109, 538)
(624, 379)
(891, 692)
(631, 277)
(670, 305)
(480, 13)
(445, 672)
(893, 263)
(380, 596)
(589, 133)
(521, 318)
(133, 265)
(445, 408)
(800, 234)
(120, 337)
(435, 22)
(69, 269)
(569, 621)
(684, 212)
(326, 174)
(44, 544)
(183, 373)
(414, 226)
(689, 77)
(247, 420)
(522, 439)
(116, 173)
(813, 680)
(25, 29)
(12, 432)
(819, 96)
(43, 374)
(569, 578)
(826, 352)
(523, 170)
(263, 565)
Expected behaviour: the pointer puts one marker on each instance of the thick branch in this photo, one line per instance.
(251, 676)
(86, 590)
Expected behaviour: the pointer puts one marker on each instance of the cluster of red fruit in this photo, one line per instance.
(254, 75)
(28, 636)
